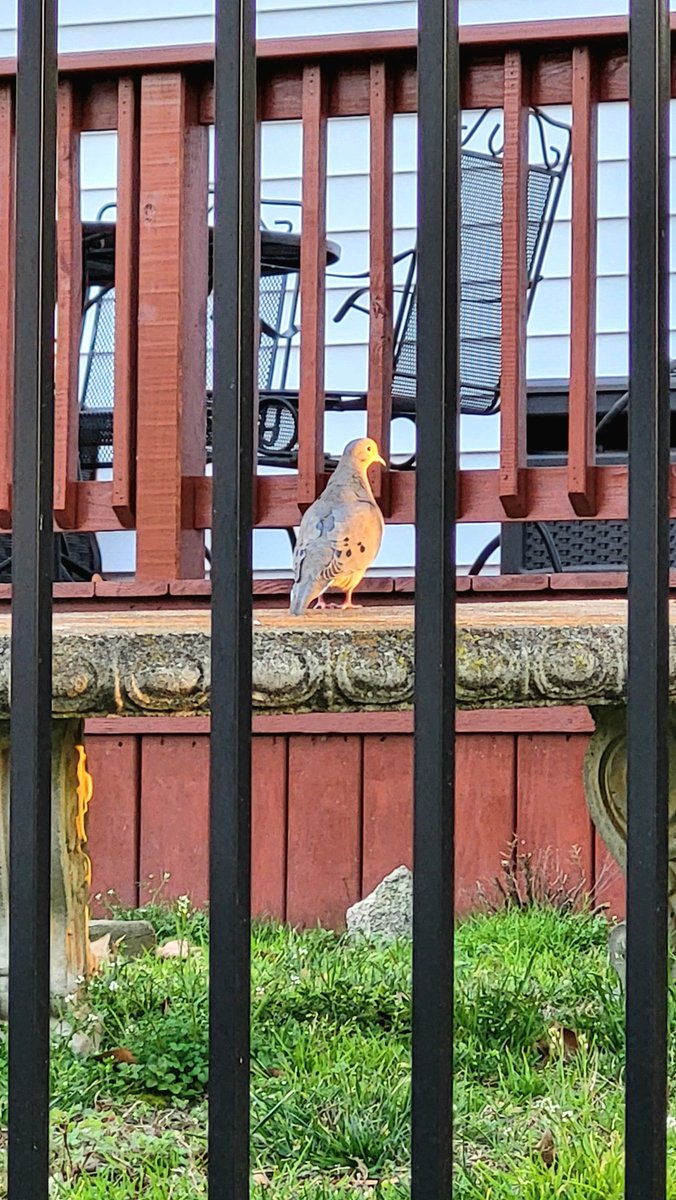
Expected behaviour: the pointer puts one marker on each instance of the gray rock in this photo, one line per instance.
(133, 937)
(617, 951)
(387, 913)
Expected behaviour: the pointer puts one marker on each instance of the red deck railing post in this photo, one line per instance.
(6, 297)
(582, 400)
(380, 323)
(312, 286)
(69, 307)
(173, 281)
(513, 478)
(126, 298)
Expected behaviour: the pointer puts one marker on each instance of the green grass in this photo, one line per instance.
(331, 1062)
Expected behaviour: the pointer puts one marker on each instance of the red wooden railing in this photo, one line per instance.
(161, 104)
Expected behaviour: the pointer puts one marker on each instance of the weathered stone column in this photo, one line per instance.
(70, 864)
(605, 785)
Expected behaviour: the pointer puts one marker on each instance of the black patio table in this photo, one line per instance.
(280, 253)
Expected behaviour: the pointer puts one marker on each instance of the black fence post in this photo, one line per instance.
(648, 620)
(436, 488)
(33, 555)
(234, 261)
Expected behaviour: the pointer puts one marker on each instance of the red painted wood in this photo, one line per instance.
(324, 832)
(484, 809)
(561, 32)
(312, 287)
(388, 806)
(173, 265)
(6, 296)
(175, 816)
(548, 498)
(610, 886)
(506, 720)
(552, 818)
(514, 289)
(379, 404)
(268, 826)
(69, 308)
(485, 806)
(175, 819)
(582, 401)
(113, 817)
(126, 299)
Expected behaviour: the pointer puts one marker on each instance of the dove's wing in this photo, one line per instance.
(335, 540)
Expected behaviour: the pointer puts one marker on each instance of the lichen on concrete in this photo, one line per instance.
(525, 654)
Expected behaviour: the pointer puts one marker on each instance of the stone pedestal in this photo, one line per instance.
(606, 789)
(71, 873)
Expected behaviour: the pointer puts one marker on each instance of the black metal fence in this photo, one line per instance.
(233, 425)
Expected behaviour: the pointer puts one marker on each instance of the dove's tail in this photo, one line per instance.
(302, 593)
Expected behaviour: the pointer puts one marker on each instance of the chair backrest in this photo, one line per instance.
(97, 381)
(480, 278)
(277, 308)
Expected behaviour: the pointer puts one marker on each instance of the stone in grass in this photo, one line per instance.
(617, 951)
(387, 913)
(131, 937)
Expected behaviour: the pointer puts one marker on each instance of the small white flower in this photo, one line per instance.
(113, 985)
(70, 999)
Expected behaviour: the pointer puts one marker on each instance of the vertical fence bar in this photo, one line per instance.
(582, 403)
(380, 324)
(648, 695)
(436, 510)
(513, 479)
(7, 145)
(312, 287)
(69, 313)
(31, 654)
(235, 234)
(126, 297)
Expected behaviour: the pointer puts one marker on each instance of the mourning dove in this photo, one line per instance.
(340, 534)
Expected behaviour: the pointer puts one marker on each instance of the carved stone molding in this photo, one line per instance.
(528, 654)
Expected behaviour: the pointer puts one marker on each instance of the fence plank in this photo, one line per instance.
(113, 817)
(513, 480)
(6, 296)
(69, 307)
(582, 399)
(268, 826)
(484, 814)
(324, 832)
(381, 316)
(126, 298)
(173, 281)
(312, 287)
(174, 782)
(388, 806)
(549, 764)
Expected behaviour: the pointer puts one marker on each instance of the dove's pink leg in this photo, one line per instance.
(347, 602)
(320, 602)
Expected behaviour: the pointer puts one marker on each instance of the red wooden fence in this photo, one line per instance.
(332, 810)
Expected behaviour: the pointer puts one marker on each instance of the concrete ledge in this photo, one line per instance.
(529, 653)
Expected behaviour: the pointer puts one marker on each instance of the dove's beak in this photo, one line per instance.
(380, 460)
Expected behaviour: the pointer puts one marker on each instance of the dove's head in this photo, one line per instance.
(362, 453)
